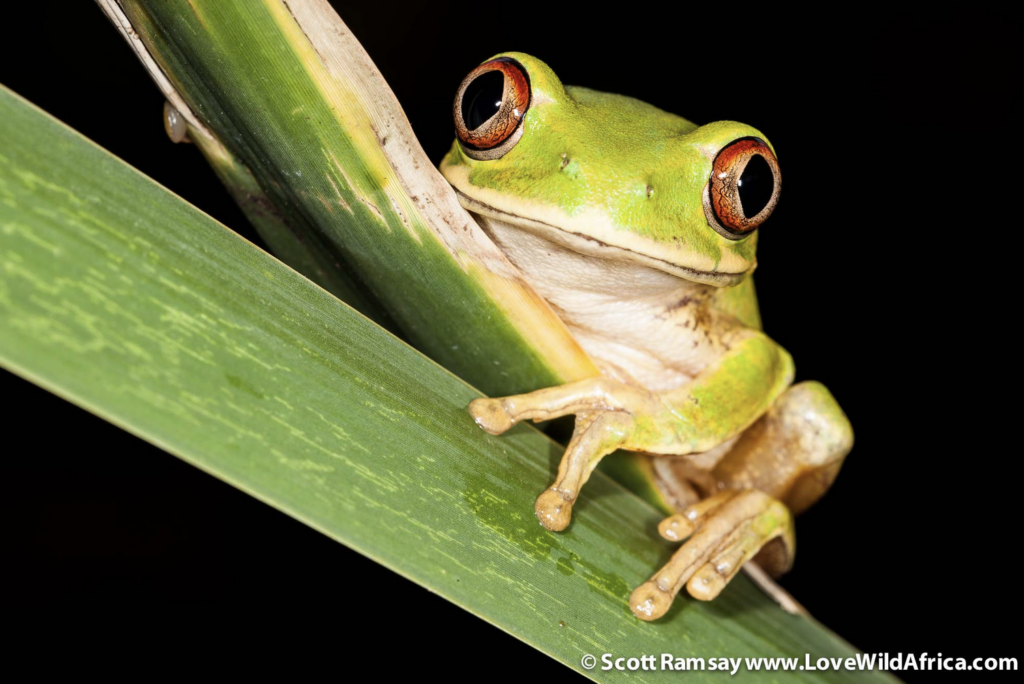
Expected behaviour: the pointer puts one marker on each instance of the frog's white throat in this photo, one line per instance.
(586, 244)
(624, 313)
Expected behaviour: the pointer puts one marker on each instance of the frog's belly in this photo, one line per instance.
(638, 322)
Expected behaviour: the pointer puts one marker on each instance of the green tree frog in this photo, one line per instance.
(639, 228)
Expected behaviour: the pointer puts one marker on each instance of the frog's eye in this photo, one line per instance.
(744, 188)
(490, 106)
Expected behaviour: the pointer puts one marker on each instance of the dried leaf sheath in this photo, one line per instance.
(294, 97)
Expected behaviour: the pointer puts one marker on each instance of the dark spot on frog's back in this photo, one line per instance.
(243, 385)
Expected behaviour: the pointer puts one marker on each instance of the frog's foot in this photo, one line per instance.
(604, 410)
(725, 531)
(596, 435)
(491, 415)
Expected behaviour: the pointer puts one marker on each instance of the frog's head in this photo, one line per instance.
(609, 175)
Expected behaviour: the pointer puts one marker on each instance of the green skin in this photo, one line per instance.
(617, 180)
(617, 146)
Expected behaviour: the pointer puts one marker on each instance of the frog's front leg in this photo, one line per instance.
(721, 401)
(606, 412)
(595, 394)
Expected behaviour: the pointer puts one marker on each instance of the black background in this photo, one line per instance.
(888, 271)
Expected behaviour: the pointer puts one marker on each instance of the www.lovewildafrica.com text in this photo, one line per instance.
(899, 662)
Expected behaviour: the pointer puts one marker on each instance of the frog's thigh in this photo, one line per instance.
(793, 452)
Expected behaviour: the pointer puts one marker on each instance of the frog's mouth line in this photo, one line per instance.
(716, 278)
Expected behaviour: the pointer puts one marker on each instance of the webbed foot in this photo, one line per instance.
(723, 532)
(606, 412)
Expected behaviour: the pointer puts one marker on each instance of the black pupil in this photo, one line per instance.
(756, 186)
(482, 99)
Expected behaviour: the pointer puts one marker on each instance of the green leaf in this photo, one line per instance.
(303, 109)
(124, 299)
(289, 109)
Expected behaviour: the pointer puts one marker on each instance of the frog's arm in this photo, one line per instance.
(718, 404)
(731, 394)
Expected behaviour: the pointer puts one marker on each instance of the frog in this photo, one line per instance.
(639, 228)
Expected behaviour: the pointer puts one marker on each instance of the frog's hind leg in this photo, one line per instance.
(794, 452)
(778, 467)
(722, 533)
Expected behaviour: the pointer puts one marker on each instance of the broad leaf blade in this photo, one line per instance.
(126, 300)
(290, 109)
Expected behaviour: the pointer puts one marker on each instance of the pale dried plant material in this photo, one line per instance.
(348, 79)
(117, 17)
